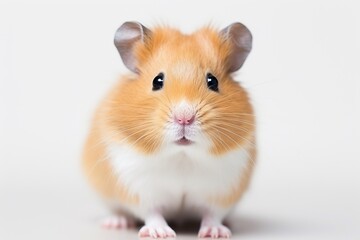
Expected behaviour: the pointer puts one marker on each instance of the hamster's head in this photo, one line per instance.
(181, 93)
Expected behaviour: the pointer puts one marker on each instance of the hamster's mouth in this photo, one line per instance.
(183, 141)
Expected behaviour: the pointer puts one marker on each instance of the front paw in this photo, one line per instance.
(214, 231)
(160, 231)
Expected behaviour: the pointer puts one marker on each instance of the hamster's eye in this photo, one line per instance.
(212, 82)
(158, 82)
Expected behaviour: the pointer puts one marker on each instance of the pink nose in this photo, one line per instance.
(185, 120)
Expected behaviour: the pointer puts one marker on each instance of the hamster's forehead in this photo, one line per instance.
(183, 68)
(182, 54)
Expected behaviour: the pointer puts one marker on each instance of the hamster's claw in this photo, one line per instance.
(219, 231)
(157, 232)
(117, 222)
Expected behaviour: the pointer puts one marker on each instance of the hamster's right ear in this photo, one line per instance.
(241, 41)
(126, 37)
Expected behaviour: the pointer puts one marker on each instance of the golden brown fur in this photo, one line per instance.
(135, 114)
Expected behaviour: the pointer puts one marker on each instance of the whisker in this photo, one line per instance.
(226, 135)
(237, 114)
(234, 120)
(247, 140)
(237, 127)
(104, 140)
(224, 144)
(145, 135)
(150, 140)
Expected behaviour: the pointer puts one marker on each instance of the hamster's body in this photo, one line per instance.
(174, 146)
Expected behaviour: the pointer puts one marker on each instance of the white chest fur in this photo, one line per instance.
(177, 179)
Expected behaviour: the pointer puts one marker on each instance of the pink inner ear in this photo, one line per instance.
(127, 34)
(125, 39)
(241, 40)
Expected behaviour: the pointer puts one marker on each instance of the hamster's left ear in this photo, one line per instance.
(126, 37)
(241, 43)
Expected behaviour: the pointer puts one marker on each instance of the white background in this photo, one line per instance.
(57, 61)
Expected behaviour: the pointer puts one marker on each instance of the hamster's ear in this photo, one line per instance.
(241, 42)
(126, 38)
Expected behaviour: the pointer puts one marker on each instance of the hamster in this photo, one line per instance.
(175, 137)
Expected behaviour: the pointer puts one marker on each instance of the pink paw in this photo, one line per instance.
(217, 231)
(162, 231)
(117, 222)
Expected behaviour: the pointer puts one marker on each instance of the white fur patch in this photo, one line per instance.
(177, 179)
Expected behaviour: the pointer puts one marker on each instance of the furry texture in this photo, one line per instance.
(131, 156)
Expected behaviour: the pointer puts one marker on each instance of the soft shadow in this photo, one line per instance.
(186, 227)
(240, 225)
(250, 225)
(246, 225)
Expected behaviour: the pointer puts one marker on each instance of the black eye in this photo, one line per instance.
(158, 82)
(212, 82)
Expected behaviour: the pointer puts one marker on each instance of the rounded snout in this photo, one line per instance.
(184, 113)
(184, 119)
